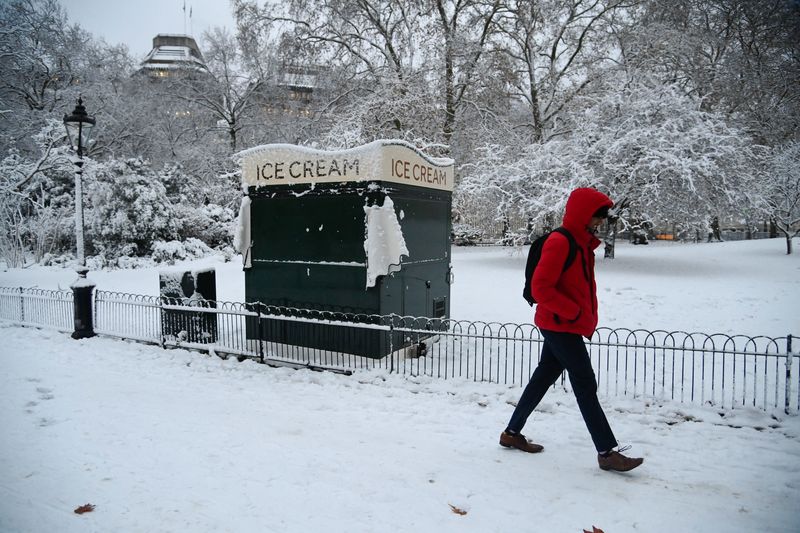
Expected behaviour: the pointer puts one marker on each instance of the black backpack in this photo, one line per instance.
(535, 253)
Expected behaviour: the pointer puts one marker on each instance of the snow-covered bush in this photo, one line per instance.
(213, 224)
(171, 251)
(531, 184)
(466, 235)
(384, 110)
(129, 209)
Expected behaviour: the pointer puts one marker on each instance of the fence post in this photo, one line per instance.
(391, 345)
(163, 339)
(94, 307)
(82, 300)
(21, 305)
(258, 334)
(789, 360)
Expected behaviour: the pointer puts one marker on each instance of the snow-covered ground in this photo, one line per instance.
(179, 441)
(744, 287)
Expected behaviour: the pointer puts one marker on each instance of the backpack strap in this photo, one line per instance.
(573, 247)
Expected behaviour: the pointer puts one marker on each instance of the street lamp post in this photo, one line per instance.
(79, 127)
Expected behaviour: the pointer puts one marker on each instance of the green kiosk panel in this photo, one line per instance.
(364, 231)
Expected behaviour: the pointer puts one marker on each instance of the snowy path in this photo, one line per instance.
(177, 441)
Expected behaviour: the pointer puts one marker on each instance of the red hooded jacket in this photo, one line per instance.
(567, 301)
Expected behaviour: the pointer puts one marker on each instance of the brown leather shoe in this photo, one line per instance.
(519, 442)
(617, 462)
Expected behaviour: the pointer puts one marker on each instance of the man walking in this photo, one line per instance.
(566, 312)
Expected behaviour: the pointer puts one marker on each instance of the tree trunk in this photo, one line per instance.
(232, 134)
(610, 241)
(449, 105)
(788, 244)
(538, 128)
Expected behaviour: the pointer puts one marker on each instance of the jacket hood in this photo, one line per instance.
(581, 205)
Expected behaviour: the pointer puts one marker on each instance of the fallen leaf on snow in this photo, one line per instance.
(456, 510)
(88, 508)
(594, 530)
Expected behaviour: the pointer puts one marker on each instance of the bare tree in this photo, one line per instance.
(40, 53)
(33, 200)
(376, 38)
(438, 43)
(467, 27)
(558, 50)
(739, 57)
(226, 92)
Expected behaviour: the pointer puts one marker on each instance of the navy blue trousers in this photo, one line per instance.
(566, 351)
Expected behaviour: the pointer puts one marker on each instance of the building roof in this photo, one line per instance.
(173, 51)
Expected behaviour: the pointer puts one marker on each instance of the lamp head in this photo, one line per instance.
(79, 127)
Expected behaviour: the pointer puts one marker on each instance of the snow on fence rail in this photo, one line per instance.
(707, 369)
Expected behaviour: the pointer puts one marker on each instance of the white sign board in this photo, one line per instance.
(392, 161)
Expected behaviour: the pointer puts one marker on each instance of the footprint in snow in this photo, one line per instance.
(44, 393)
(29, 407)
(44, 422)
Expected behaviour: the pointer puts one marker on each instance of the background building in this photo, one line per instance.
(171, 52)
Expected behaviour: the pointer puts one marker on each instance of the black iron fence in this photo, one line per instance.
(728, 371)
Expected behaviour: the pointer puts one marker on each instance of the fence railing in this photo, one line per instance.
(723, 370)
(37, 307)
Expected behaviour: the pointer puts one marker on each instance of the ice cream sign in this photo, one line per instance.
(393, 161)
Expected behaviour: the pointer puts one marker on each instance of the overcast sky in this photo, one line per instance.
(136, 22)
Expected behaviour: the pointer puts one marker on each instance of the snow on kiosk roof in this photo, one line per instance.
(393, 161)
